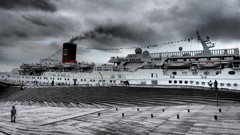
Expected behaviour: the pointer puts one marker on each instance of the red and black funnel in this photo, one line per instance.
(69, 53)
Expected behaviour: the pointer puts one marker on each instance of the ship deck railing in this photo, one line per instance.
(216, 52)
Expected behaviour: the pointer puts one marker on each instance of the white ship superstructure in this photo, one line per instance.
(182, 68)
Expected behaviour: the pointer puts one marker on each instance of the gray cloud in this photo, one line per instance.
(35, 21)
(107, 24)
(44, 5)
(219, 18)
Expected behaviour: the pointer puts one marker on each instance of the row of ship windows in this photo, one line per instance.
(27, 77)
(203, 83)
(84, 80)
(67, 79)
(205, 73)
(111, 81)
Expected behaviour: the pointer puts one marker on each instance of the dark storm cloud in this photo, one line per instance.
(222, 27)
(36, 21)
(44, 5)
(220, 18)
(109, 24)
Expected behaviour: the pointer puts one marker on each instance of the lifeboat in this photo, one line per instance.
(177, 65)
(209, 65)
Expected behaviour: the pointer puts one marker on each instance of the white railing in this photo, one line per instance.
(233, 51)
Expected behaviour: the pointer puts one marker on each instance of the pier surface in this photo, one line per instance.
(62, 120)
(119, 111)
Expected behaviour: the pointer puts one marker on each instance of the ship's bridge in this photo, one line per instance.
(132, 58)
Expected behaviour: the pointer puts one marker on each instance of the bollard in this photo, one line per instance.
(122, 114)
(162, 110)
(220, 110)
(215, 117)
(116, 109)
(138, 109)
(98, 114)
(151, 115)
(178, 116)
(188, 110)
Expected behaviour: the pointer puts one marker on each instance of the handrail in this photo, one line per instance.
(232, 51)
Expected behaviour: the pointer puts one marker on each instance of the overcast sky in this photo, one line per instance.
(34, 29)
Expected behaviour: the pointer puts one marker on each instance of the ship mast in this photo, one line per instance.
(206, 44)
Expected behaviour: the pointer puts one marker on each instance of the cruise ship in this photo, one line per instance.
(195, 68)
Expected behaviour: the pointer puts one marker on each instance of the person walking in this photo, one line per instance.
(13, 114)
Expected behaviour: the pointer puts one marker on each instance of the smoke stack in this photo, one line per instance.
(69, 53)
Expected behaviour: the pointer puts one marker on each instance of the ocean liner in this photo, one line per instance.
(183, 68)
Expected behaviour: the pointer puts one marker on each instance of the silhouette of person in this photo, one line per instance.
(52, 83)
(21, 87)
(13, 114)
(210, 83)
(215, 85)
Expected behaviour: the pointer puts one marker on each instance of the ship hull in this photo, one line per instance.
(143, 77)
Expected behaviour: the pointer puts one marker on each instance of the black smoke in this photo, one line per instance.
(112, 32)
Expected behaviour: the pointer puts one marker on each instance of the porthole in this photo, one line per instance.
(197, 83)
(231, 72)
(180, 82)
(174, 73)
(222, 84)
(175, 81)
(170, 81)
(191, 82)
(228, 84)
(235, 84)
(203, 83)
(186, 82)
(217, 72)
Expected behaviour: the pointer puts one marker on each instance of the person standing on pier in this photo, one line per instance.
(216, 90)
(13, 114)
(215, 85)
(210, 83)
(52, 83)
